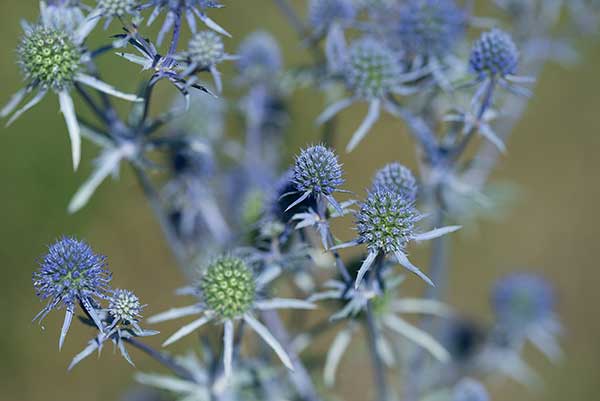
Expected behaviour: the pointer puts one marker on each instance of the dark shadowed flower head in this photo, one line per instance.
(430, 27)
(494, 54)
(323, 13)
(280, 204)
(523, 300)
(71, 273)
(396, 178)
(259, 57)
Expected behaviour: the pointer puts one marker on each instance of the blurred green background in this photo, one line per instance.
(553, 228)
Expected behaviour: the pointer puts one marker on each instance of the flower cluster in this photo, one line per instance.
(248, 226)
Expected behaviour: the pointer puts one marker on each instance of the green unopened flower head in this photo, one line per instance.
(117, 8)
(228, 287)
(49, 58)
(206, 48)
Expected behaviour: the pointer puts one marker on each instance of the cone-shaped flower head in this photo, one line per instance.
(228, 287)
(494, 53)
(430, 27)
(385, 221)
(206, 48)
(396, 178)
(259, 57)
(317, 171)
(125, 306)
(371, 69)
(49, 58)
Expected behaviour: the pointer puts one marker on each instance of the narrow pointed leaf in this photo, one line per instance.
(227, 348)
(333, 109)
(435, 233)
(106, 88)
(264, 333)
(175, 313)
(13, 102)
(87, 351)
(334, 355)
(364, 268)
(34, 101)
(284, 303)
(417, 336)
(66, 324)
(187, 329)
(403, 260)
(68, 110)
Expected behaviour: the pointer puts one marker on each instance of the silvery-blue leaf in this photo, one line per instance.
(435, 233)
(334, 355)
(264, 333)
(87, 351)
(417, 336)
(187, 329)
(364, 128)
(175, 313)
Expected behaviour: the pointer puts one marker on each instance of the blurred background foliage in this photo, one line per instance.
(552, 227)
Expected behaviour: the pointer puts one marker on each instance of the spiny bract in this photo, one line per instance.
(228, 287)
(371, 69)
(206, 48)
(317, 170)
(124, 306)
(396, 178)
(385, 221)
(49, 57)
(494, 53)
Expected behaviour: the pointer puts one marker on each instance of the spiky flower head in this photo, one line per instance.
(70, 271)
(49, 57)
(385, 221)
(117, 8)
(206, 48)
(323, 13)
(430, 27)
(493, 54)
(396, 178)
(62, 14)
(520, 300)
(259, 56)
(371, 69)
(228, 287)
(279, 202)
(318, 171)
(124, 306)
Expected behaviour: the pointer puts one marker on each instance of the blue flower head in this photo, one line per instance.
(522, 300)
(323, 13)
(494, 54)
(371, 69)
(430, 27)
(318, 171)
(70, 273)
(396, 178)
(117, 8)
(259, 57)
(206, 48)
(386, 221)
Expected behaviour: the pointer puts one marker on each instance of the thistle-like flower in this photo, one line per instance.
(322, 14)
(396, 178)
(176, 11)
(54, 59)
(494, 54)
(228, 291)
(371, 71)
(121, 323)
(317, 173)
(111, 9)
(386, 224)
(205, 51)
(71, 273)
(259, 57)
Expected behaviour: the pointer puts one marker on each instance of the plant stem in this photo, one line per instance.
(163, 359)
(379, 374)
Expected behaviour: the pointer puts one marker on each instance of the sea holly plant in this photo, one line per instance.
(257, 234)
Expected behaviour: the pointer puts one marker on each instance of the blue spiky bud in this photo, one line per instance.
(396, 178)
(371, 69)
(125, 306)
(49, 57)
(317, 170)
(206, 48)
(259, 57)
(385, 221)
(323, 13)
(493, 54)
(521, 299)
(70, 271)
(430, 27)
(228, 287)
